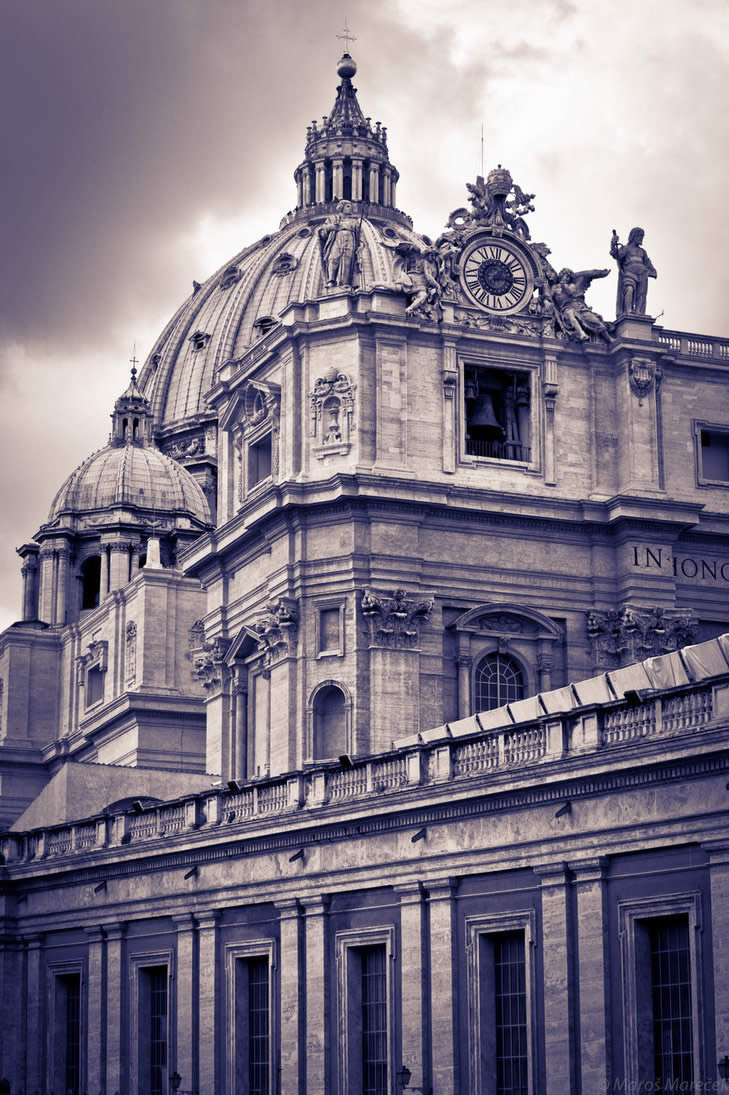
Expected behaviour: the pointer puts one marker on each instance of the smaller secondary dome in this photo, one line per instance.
(347, 67)
(140, 477)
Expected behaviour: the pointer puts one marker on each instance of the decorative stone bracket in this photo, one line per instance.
(208, 662)
(394, 619)
(633, 633)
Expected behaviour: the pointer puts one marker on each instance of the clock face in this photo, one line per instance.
(496, 276)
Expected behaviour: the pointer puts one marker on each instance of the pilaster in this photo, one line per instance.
(34, 1041)
(95, 1011)
(558, 1033)
(316, 911)
(115, 1006)
(444, 1037)
(292, 1030)
(412, 987)
(208, 1033)
(718, 853)
(592, 976)
(186, 1000)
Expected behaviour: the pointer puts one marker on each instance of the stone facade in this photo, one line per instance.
(364, 659)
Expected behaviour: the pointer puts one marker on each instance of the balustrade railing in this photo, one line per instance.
(619, 724)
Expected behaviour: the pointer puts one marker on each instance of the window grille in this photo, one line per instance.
(69, 986)
(510, 1010)
(499, 681)
(258, 1026)
(374, 1020)
(157, 988)
(671, 992)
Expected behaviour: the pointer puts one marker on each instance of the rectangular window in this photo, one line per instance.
(500, 971)
(330, 631)
(153, 1030)
(497, 414)
(661, 991)
(67, 1032)
(714, 455)
(671, 1000)
(260, 461)
(365, 1011)
(94, 685)
(249, 975)
(510, 1014)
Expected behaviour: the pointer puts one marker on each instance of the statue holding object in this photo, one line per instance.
(577, 318)
(634, 268)
(339, 242)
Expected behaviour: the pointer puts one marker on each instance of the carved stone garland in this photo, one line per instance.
(634, 633)
(394, 619)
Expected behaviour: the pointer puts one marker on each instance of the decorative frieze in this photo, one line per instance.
(633, 633)
(332, 413)
(394, 619)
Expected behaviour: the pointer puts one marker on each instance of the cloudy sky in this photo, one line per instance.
(146, 141)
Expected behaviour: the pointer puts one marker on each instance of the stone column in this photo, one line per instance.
(115, 1007)
(63, 555)
(337, 180)
(240, 695)
(374, 183)
(104, 582)
(412, 974)
(34, 1012)
(207, 960)
(444, 1038)
(558, 1034)
(291, 1012)
(320, 182)
(47, 564)
(718, 853)
(307, 186)
(186, 1000)
(299, 190)
(317, 996)
(29, 570)
(95, 1071)
(119, 568)
(393, 188)
(386, 190)
(544, 665)
(136, 555)
(465, 661)
(592, 975)
(356, 180)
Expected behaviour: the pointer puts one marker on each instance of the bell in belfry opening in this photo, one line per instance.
(483, 425)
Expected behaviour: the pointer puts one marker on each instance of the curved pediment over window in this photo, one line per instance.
(507, 618)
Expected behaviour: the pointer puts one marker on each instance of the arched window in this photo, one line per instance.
(499, 681)
(90, 582)
(330, 723)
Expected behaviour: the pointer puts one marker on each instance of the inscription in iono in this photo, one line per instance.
(691, 567)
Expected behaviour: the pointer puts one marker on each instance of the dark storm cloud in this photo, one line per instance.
(122, 121)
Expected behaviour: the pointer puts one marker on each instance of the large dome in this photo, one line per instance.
(346, 157)
(130, 476)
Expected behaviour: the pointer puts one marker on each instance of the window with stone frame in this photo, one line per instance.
(154, 1020)
(712, 453)
(250, 1029)
(260, 460)
(92, 672)
(497, 413)
(66, 1029)
(498, 680)
(662, 997)
(501, 978)
(365, 1010)
(330, 630)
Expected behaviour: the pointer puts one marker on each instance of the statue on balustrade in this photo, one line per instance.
(634, 268)
(339, 241)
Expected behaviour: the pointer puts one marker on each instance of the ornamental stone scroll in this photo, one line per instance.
(394, 619)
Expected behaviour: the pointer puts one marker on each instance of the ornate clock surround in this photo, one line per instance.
(497, 273)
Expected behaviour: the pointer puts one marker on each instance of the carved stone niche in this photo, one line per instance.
(394, 619)
(523, 633)
(332, 414)
(633, 633)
